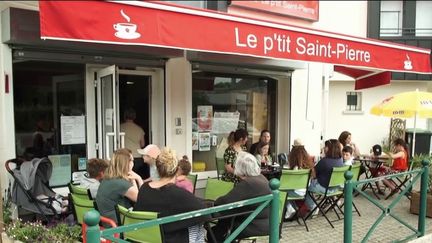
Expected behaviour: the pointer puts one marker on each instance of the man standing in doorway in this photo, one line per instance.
(134, 140)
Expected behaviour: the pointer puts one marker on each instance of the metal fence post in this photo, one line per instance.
(91, 219)
(423, 197)
(274, 211)
(348, 194)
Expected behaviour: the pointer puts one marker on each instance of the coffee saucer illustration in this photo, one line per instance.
(126, 30)
(128, 36)
(407, 63)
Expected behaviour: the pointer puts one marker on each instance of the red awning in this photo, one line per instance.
(364, 78)
(164, 25)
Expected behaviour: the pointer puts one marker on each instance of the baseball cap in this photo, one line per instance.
(150, 150)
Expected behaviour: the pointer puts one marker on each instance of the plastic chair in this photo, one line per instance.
(80, 206)
(355, 169)
(292, 180)
(193, 179)
(153, 234)
(400, 182)
(79, 191)
(220, 166)
(216, 188)
(330, 197)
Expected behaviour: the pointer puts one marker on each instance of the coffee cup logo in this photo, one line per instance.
(126, 30)
(407, 63)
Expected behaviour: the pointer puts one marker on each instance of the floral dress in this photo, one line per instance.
(230, 157)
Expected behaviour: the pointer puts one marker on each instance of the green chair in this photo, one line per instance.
(292, 180)
(400, 182)
(79, 191)
(80, 207)
(193, 179)
(153, 234)
(216, 188)
(331, 198)
(220, 166)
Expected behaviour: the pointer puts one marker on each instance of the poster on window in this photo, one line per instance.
(204, 141)
(225, 122)
(72, 130)
(195, 141)
(205, 118)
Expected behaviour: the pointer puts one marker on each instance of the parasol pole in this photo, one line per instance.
(414, 135)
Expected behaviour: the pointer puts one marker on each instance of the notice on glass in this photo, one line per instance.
(72, 129)
(225, 122)
(61, 169)
(195, 141)
(204, 141)
(205, 115)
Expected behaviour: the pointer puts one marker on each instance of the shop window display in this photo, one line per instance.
(222, 103)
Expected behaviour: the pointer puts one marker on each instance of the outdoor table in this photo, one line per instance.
(373, 165)
(271, 171)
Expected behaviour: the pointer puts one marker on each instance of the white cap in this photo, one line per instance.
(150, 150)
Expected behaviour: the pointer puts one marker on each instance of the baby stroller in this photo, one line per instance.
(31, 193)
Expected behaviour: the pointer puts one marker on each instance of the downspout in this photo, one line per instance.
(307, 98)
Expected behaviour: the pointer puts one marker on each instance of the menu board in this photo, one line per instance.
(61, 173)
(72, 130)
(225, 122)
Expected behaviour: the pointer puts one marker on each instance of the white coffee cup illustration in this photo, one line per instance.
(126, 30)
(407, 63)
(125, 27)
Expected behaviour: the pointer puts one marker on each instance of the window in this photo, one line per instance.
(354, 101)
(423, 18)
(222, 103)
(391, 18)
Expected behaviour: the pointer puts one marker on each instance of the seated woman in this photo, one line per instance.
(400, 163)
(263, 155)
(252, 184)
(165, 197)
(183, 170)
(236, 142)
(323, 170)
(299, 159)
(119, 185)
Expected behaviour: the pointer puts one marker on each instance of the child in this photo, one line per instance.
(183, 169)
(347, 153)
(150, 153)
(95, 170)
(263, 157)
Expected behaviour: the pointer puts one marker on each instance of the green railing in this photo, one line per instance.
(351, 186)
(94, 234)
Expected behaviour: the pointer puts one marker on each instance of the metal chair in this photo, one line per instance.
(153, 234)
(216, 188)
(193, 178)
(80, 191)
(292, 180)
(220, 166)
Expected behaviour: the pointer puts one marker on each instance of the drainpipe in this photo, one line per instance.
(325, 98)
(307, 97)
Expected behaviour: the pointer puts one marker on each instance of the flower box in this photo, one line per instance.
(415, 203)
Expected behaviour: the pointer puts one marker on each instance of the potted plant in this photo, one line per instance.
(415, 195)
(19, 231)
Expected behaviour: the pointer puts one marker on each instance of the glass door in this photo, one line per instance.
(109, 137)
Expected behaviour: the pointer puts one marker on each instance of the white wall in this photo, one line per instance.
(366, 129)
(306, 100)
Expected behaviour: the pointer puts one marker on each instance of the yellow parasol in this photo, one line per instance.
(406, 105)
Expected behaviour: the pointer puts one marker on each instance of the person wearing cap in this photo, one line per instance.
(134, 139)
(165, 197)
(149, 155)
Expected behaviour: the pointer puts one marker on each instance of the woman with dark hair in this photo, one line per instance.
(345, 140)
(264, 138)
(323, 170)
(236, 141)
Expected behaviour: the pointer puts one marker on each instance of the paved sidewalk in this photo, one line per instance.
(387, 231)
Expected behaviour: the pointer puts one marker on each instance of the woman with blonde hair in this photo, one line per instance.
(165, 197)
(119, 186)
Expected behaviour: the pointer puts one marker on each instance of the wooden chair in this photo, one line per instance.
(153, 234)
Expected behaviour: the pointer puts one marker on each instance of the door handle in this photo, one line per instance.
(122, 139)
(107, 143)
